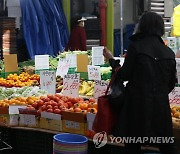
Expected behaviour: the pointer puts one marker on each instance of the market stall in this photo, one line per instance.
(60, 98)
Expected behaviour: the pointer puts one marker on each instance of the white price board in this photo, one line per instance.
(100, 88)
(97, 51)
(27, 119)
(63, 67)
(48, 81)
(174, 96)
(41, 62)
(178, 69)
(71, 85)
(72, 58)
(94, 72)
(97, 55)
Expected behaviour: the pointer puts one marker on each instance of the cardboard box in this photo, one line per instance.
(9, 116)
(51, 121)
(28, 118)
(74, 122)
(9, 120)
(90, 120)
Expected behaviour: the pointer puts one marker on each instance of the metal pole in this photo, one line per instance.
(121, 19)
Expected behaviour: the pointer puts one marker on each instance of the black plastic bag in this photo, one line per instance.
(117, 90)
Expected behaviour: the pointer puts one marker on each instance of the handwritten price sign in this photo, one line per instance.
(63, 67)
(174, 96)
(178, 69)
(100, 88)
(71, 85)
(48, 81)
(94, 72)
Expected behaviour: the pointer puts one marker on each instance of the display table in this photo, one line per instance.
(34, 140)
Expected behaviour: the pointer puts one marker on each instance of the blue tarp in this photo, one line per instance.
(45, 26)
(117, 41)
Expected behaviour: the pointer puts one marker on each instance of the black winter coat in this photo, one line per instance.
(150, 69)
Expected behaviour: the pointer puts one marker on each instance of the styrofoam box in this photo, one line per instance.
(14, 11)
(90, 120)
(13, 3)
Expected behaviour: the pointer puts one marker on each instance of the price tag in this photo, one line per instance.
(48, 81)
(100, 88)
(28, 120)
(14, 120)
(178, 69)
(41, 62)
(94, 72)
(72, 125)
(63, 67)
(174, 96)
(71, 85)
(72, 59)
(14, 109)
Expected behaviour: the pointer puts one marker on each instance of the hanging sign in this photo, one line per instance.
(48, 81)
(71, 85)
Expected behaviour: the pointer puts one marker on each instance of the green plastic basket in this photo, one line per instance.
(72, 70)
(5, 74)
(83, 75)
(38, 71)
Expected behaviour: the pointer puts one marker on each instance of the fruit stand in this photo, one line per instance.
(30, 116)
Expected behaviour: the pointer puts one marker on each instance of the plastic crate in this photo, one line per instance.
(5, 74)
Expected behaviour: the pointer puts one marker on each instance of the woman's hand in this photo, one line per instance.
(107, 54)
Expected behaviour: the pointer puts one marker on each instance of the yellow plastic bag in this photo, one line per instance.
(176, 21)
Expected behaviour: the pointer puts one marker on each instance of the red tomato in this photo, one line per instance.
(77, 109)
(35, 105)
(43, 108)
(55, 107)
(49, 107)
(57, 111)
(91, 99)
(50, 110)
(58, 95)
(69, 104)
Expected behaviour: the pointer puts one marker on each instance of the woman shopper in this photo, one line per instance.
(77, 40)
(150, 69)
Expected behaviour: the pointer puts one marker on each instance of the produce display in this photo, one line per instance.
(24, 89)
(8, 93)
(86, 88)
(24, 79)
(57, 103)
(18, 101)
